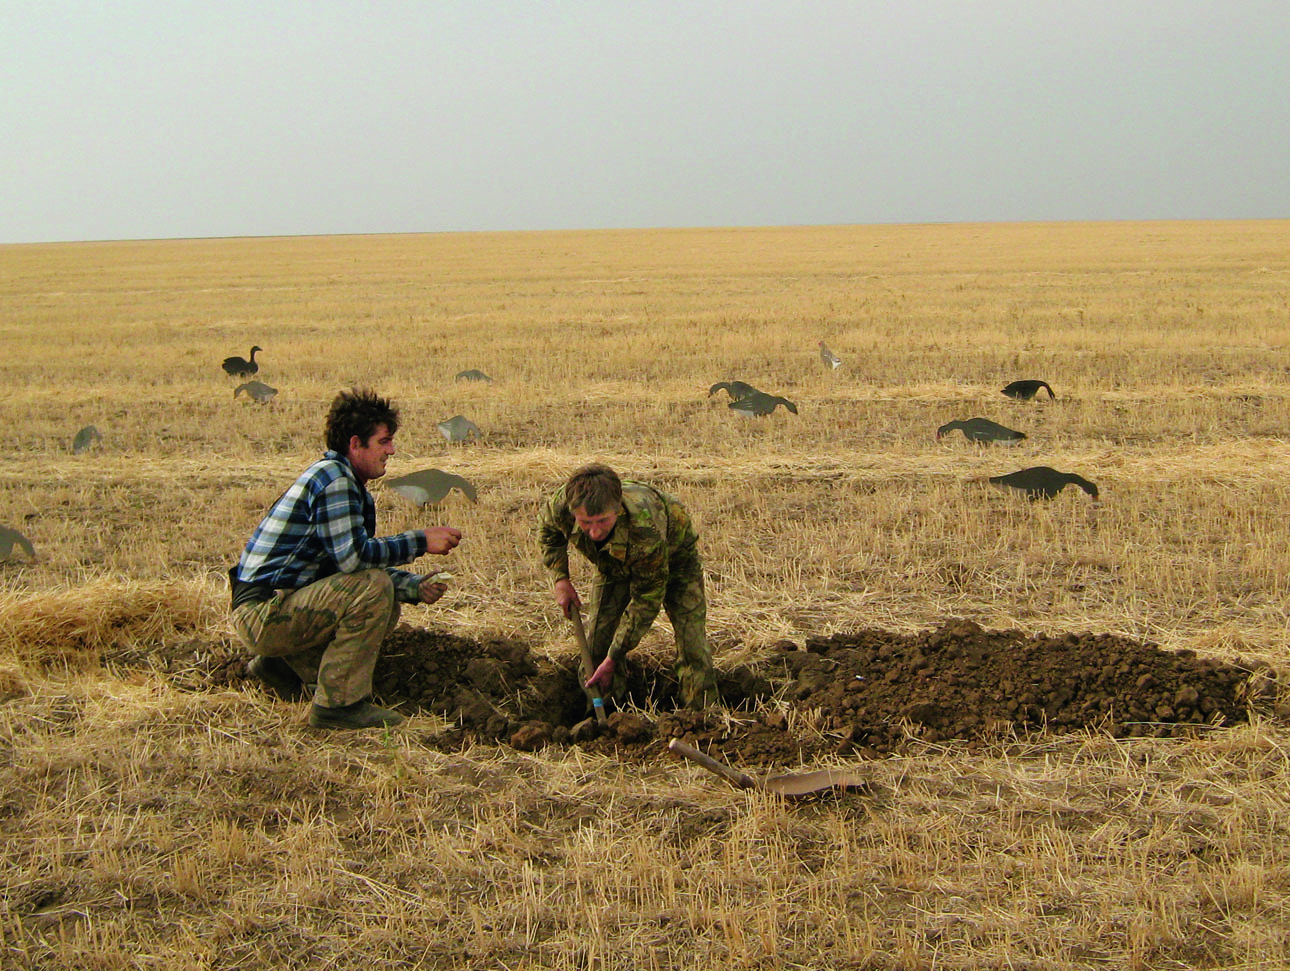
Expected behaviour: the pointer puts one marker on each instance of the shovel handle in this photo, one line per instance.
(741, 779)
(588, 668)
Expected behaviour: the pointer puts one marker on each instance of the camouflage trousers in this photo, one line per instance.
(686, 607)
(329, 632)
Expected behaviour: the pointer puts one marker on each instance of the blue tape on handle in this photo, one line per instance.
(597, 702)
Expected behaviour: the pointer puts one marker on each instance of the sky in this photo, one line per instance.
(167, 118)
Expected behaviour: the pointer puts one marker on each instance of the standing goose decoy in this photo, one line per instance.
(258, 390)
(759, 404)
(1041, 482)
(1025, 390)
(458, 428)
(9, 538)
(430, 486)
(981, 430)
(736, 389)
(474, 374)
(831, 360)
(86, 439)
(240, 367)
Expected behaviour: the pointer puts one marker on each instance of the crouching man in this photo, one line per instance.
(645, 551)
(315, 592)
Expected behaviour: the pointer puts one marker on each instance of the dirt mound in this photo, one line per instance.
(863, 692)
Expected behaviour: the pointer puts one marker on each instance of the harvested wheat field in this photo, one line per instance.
(1069, 714)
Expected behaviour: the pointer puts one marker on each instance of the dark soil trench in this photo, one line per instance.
(861, 693)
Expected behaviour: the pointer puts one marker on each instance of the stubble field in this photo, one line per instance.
(1069, 712)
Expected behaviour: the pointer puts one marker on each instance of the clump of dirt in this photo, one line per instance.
(865, 692)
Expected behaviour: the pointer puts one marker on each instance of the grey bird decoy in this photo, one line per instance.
(458, 428)
(9, 538)
(474, 374)
(1025, 390)
(981, 430)
(240, 367)
(736, 389)
(86, 439)
(258, 390)
(760, 404)
(1041, 482)
(430, 486)
(831, 360)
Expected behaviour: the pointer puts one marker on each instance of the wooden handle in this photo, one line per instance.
(741, 779)
(588, 667)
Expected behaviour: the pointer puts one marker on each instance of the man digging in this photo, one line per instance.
(315, 593)
(644, 548)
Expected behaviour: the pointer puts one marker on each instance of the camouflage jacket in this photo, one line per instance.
(652, 541)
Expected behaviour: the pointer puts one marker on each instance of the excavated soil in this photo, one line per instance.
(861, 693)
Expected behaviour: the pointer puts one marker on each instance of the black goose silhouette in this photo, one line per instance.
(759, 404)
(736, 389)
(1025, 390)
(240, 367)
(1041, 482)
(430, 486)
(982, 430)
(86, 439)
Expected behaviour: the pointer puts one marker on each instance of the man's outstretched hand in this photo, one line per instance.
(442, 539)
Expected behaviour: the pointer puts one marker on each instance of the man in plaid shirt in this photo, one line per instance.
(315, 592)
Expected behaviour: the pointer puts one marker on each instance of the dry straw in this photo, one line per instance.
(148, 826)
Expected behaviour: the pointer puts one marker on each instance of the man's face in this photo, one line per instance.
(369, 458)
(598, 526)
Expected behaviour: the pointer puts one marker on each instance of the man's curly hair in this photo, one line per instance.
(596, 488)
(358, 412)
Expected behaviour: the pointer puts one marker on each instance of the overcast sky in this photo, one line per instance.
(166, 118)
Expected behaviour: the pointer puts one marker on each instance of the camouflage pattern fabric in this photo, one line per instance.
(649, 562)
(330, 632)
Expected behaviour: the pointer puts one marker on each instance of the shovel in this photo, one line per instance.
(792, 785)
(588, 668)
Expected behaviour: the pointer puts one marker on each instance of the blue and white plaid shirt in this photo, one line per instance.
(323, 525)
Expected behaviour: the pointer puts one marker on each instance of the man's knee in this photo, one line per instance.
(373, 596)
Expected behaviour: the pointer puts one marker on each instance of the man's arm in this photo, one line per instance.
(340, 527)
(554, 525)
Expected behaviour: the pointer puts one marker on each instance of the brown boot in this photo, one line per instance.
(361, 714)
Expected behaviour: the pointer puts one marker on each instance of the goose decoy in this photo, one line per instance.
(982, 430)
(458, 428)
(736, 389)
(759, 404)
(831, 360)
(9, 538)
(1025, 390)
(474, 374)
(430, 486)
(258, 390)
(86, 439)
(240, 367)
(1041, 482)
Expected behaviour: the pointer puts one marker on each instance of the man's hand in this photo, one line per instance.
(566, 597)
(442, 539)
(602, 676)
(431, 590)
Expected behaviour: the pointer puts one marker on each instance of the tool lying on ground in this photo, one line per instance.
(792, 784)
(588, 668)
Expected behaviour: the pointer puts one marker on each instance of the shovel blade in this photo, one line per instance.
(808, 783)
